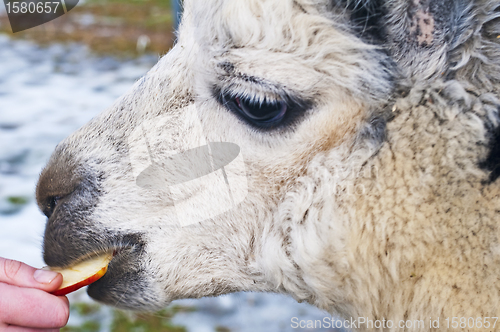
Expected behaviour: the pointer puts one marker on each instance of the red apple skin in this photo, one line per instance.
(73, 287)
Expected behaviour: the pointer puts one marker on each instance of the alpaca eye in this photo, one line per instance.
(277, 112)
(265, 113)
(261, 112)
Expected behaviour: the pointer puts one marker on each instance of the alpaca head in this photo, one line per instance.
(252, 156)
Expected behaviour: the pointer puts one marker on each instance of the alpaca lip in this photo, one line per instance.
(121, 255)
(82, 273)
(125, 275)
(87, 258)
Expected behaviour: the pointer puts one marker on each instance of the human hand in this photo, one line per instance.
(25, 304)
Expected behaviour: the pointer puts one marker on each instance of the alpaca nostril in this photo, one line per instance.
(58, 180)
(51, 205)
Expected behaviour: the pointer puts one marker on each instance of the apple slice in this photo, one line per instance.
(82, 274)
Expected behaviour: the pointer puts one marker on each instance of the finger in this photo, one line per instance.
(19, 274)
(32, 308)
(12, 328)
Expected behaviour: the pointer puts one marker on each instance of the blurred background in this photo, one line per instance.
(53, 79)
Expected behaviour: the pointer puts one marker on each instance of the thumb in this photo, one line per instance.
(19, 274)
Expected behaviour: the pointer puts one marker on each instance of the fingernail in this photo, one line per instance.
(44, 277)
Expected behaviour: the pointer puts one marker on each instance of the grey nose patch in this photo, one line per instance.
(188, 165)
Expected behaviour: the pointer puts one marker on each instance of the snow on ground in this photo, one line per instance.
(45, 94)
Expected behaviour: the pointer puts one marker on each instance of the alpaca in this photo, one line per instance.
(344, 152)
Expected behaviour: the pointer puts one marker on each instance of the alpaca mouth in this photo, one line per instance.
(123, 276)
(126, 250)
(115, 254)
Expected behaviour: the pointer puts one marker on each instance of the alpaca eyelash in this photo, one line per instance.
(254, 98)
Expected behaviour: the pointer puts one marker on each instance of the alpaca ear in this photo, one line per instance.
(365, 18)
(420, 33)
(425, 23)
(406, 24)
(442, 37)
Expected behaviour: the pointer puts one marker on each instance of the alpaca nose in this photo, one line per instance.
(57, 181)
(67, 192)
